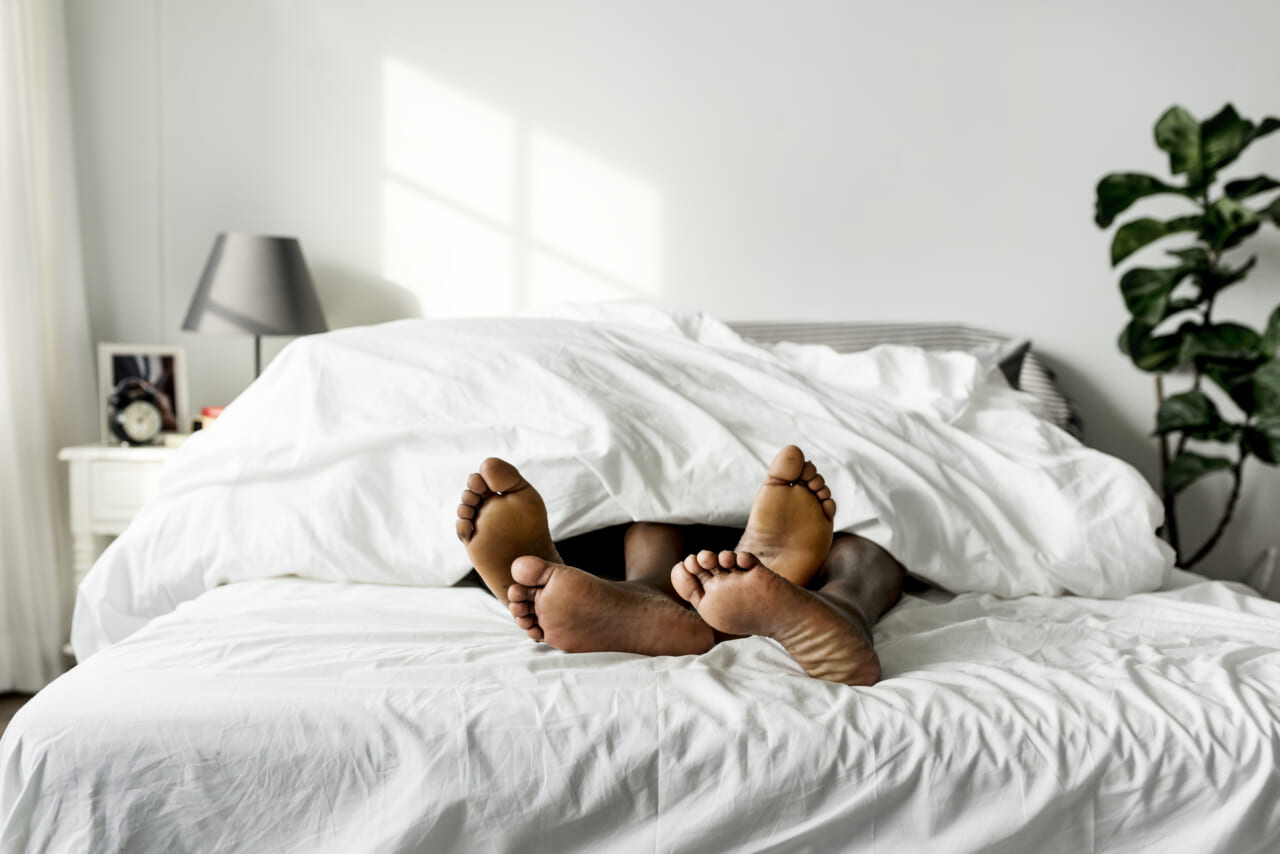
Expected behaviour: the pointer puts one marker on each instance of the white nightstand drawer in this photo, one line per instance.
(118, 489)
(108, 486)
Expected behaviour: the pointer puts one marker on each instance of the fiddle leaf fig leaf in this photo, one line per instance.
(1147, 291)
(1189, 467)
(1132, 236)
(1227, 222)
(1192, 413)
(1246, 187)
(1241, 234)
(1235, 377)
(1222, 138)
(1194, 257)
(1149, 353)
(1268, 125)
(1273, 211)
(1262, 438)
(1116, 192)
(1266, 388)
(1217, 278)
(1178, 134)
(1271, 337)
(1218, 342)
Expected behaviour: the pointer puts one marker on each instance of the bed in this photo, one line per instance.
(273, 657)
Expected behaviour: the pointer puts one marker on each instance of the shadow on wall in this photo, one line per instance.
(1106, 427)
(483, 214)
(358, 298)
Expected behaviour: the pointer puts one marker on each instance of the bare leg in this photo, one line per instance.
(827, 631)
(860, 578)
(650, 548)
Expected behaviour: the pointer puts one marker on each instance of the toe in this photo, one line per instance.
(708, 560)
(823, 494)
(477, 486)
(532, 571)
(686, 584)
(829, 507)
(695, 569)
(745, 560)
(500, 475)
(535, 633)
(808, 472)
(465, 529)
(466, 511)
(788, 464)
(519, 593)
(520, 609)
(526, 622)
(727, 559)
(470, 498)
(816, 482)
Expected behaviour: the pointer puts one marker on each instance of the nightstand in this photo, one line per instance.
(108, 487)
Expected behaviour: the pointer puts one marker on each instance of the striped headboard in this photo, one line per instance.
(1034, 377)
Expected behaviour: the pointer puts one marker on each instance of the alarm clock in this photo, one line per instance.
(134, 413)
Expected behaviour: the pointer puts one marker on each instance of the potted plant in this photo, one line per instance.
(1231, 411)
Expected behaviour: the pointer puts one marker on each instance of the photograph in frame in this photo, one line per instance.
(163, 368)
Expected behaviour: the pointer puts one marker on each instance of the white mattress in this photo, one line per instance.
(310, 716)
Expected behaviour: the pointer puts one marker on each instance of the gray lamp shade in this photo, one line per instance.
(255, 285)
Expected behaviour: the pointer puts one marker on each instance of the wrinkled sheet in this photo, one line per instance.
(344, 461)
(297, 716)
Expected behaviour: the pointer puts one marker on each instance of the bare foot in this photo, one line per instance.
(735, 593)
(791, 519)
(500, 518)
(575, 611)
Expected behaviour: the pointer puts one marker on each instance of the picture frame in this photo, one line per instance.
(162, 366)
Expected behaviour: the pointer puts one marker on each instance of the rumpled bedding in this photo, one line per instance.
(344, 461)
(287, 715)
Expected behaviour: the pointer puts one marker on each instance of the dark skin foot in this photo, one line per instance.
(575, 611)
(500, 518)
(791, 518)
(827, 631)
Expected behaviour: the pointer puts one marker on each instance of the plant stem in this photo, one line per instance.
(1170, 500)
(1236, 474)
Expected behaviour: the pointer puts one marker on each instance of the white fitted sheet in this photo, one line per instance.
(309, 716)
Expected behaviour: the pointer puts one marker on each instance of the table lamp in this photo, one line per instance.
(255, 284)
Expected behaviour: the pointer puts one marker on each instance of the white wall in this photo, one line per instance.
(758, 159)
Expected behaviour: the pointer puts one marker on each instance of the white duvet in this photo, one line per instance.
(344, 461)
(285, 715)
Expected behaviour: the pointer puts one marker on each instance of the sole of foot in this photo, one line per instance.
(576, 611)
(500, 518)
(738, 595)
(791, 521)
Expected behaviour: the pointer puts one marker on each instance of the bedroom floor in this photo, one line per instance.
(9, 705)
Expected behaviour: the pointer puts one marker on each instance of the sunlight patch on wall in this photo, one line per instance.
(552, 280)
(593, 213)
(448, 143)
(456, 265)
(483, 215)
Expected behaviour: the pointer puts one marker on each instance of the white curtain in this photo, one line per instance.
(46, 388)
